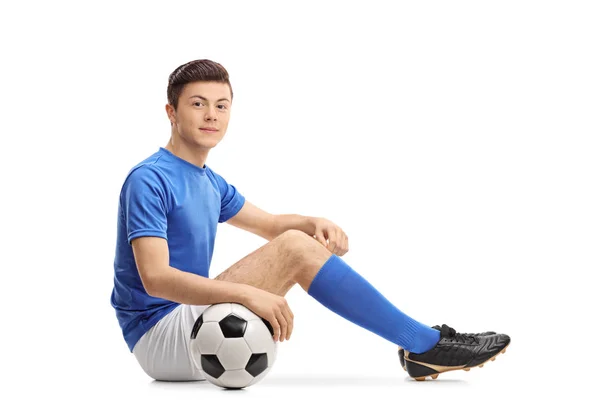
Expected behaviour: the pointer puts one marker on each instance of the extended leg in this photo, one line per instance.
(295, 257)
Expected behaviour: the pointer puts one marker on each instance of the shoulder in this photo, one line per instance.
(148, 174)
(146, 179)
(147, 167)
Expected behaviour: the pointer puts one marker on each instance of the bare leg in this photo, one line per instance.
(295, 257)
(292, 257)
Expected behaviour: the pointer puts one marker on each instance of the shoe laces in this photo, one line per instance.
(450, 333)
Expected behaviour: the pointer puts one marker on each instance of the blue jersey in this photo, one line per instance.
(168, 197)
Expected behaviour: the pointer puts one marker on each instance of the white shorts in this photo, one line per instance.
(163, 352)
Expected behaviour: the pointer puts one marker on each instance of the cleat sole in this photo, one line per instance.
(448, 369)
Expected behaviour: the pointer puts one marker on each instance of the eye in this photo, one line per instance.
(197, 103)
(223, 107)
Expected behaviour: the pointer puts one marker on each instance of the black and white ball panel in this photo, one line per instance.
(260, 343)
(257, 364)
(210, 337)
(243, 312)
(235, 354)
(236, 378)
(232, 345)
(217, 312)
(233, 326)
(211, 365)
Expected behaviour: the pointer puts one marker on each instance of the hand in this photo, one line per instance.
(327, 230)
(273, 308)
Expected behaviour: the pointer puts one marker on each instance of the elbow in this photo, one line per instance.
(153, 284)
(272, 230)
(267, 235)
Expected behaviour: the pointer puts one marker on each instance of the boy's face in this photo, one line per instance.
(202, 113)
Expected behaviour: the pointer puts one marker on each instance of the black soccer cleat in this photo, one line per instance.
(455, 351)
(401, 351)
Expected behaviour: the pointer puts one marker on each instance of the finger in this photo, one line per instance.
(339, 242)
(321, 239)
(276, 327)
(283, 324)
(289, 317)
(331, 234)
(345, 244)
(341, 249)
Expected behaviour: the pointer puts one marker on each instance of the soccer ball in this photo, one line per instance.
(233, 346)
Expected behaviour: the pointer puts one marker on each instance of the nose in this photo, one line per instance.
(211, 114)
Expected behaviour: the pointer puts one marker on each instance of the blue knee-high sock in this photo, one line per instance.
(339, 288)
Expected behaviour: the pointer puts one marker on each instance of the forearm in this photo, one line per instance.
(285, 222)
(187, 288)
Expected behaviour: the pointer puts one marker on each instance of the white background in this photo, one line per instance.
(456, 143)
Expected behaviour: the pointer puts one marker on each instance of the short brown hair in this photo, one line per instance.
(194, 71)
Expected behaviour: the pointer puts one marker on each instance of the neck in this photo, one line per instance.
(196, 156)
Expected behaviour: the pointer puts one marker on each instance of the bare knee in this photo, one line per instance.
(302, 248)
(294, 240)
(305, 256)
(292, 234)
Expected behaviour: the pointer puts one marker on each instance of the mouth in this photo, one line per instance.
(212, 130)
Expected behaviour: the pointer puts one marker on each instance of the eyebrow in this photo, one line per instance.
(205, 99)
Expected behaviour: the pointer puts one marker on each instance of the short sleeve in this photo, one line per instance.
(144, 204)
(231, 199)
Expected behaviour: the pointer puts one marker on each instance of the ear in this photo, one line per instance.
(170, 113)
